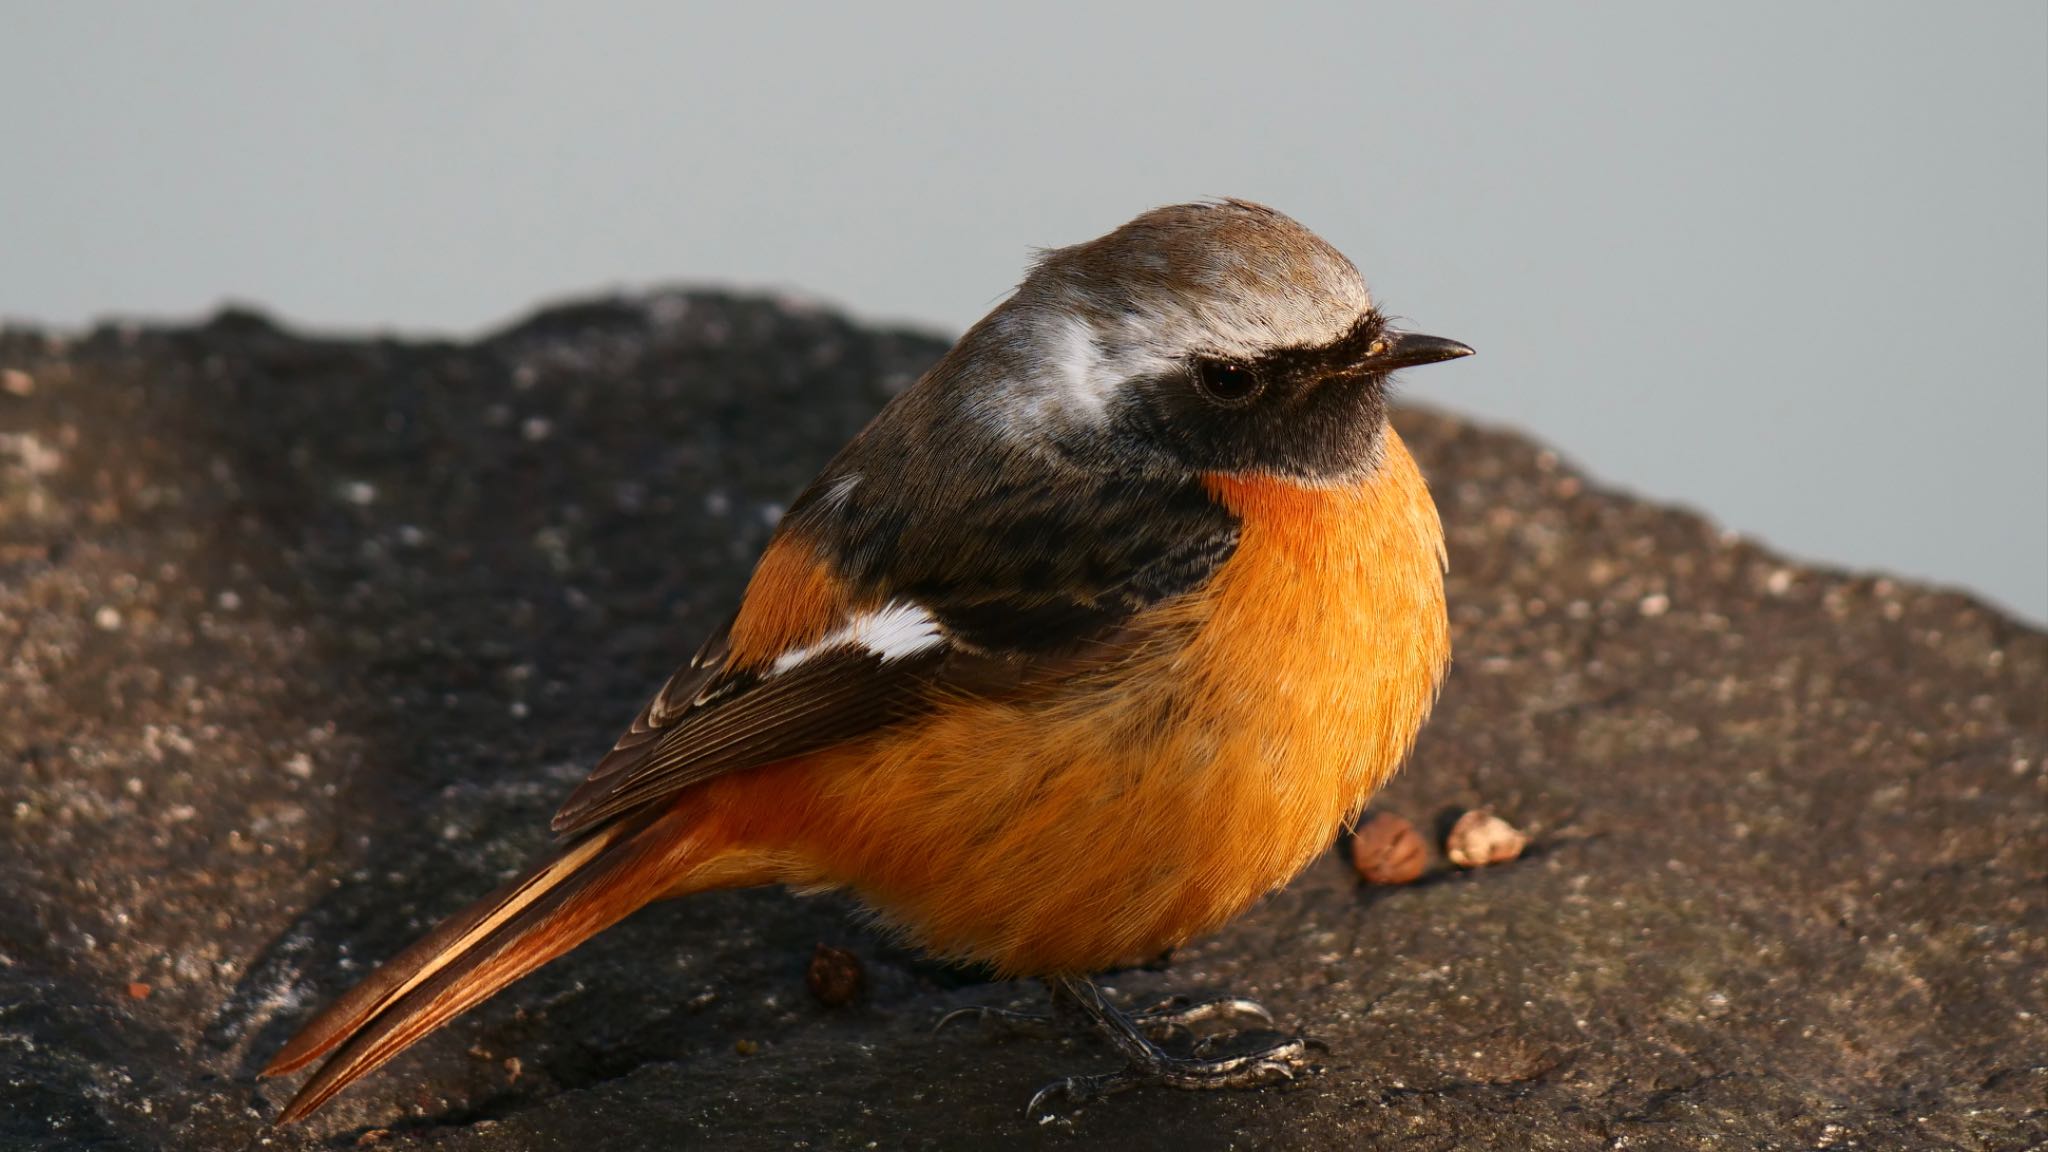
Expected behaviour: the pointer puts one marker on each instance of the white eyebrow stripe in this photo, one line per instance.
(893, 632)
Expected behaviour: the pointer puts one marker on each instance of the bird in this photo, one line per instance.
(1097, 633)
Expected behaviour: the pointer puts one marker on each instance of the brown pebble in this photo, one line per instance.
(834, 976)
(1386, 849)
(138, 991)
(1480, 838)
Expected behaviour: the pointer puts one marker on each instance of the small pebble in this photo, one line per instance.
(1480, 838)
(17, 382)
(834, 976)
(1386, 849)
(107, 619)
(138, 991)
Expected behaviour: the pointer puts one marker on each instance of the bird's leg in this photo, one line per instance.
(1174, 1016)
(1146, 1063)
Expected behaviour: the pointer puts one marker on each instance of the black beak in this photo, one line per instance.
(1408, 349)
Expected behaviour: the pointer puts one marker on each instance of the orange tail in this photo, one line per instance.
(584, 888)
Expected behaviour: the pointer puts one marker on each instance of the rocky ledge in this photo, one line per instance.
(301, 639)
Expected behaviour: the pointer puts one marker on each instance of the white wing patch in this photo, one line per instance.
(893, 632)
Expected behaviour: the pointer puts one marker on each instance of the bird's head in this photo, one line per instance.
(1213, 337)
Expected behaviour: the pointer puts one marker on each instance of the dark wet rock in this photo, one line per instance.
(301, 640)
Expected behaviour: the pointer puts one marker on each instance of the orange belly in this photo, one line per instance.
(1128, 811)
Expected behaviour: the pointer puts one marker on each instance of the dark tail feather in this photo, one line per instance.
(586, 887)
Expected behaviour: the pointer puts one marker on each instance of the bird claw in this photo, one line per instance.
(1074, 1090)
(1279, 1063)
(1134, 1035)
(1172, 1017)
(1177, 1015)
(1007, 1019)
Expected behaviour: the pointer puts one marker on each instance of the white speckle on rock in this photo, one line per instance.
(107, 619)
(300, 765)
(537, 429)
(519, 709)
(717, 503)
(37, 458)
(17, 382)
(228, 600)
(667, 309)
(1654, 605)
(1780, 582)
(360, 493)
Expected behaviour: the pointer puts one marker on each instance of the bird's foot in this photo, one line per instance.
(1133, 1036)
(999, 1019)
(1178, 1016)
(1271, 1065)
(1172, 1017)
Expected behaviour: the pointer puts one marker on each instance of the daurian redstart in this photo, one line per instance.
(1094, 635)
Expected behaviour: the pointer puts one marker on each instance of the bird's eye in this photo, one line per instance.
(1225, 381)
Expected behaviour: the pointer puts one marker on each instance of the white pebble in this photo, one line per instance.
(1480, 838)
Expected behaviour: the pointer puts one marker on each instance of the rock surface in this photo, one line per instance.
(301, 640)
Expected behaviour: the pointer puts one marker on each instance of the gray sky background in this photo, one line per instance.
(1784, 262)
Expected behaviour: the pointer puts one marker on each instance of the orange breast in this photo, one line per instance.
(1150, 803)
